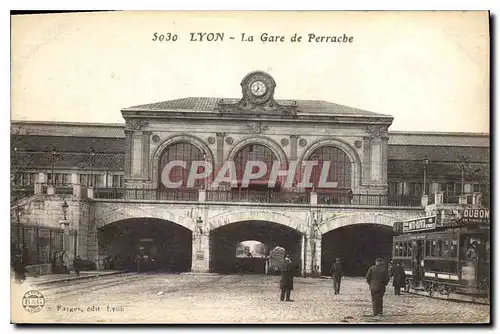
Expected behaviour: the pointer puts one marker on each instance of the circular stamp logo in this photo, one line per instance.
(33, 301)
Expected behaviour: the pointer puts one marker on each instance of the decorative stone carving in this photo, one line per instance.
(156, 138)
(229, 141)
(257, 127)
(136, 124)
(284, 142)
(257, 97)
(376, 131)
(302, 142)
(220, 134)
(211, 140)
(358, 143)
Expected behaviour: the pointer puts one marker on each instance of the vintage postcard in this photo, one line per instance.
(250, 167)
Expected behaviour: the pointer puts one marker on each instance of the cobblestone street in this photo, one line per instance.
(162, 298)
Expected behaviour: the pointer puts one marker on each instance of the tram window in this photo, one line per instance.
(409, 250)
(437, 248)
(453, 251)
(428, 248)
(446, 248)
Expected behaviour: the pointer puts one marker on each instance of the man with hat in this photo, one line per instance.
(286, 282)
(378, 278)
(336, 275)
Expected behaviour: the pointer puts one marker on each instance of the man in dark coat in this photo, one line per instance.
(399, 278)
(286, 282)
(378, 278)
(76, 264)
(336, 275)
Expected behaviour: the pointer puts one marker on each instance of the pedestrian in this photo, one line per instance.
(336, 275)
(399, 278)
(19, 269)
(378, 278)
(76, 264)
(286, 282)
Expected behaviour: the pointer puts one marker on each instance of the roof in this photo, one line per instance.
(68, 144)
(438, 138)
(210, 104)
(109, 161)
(450, 170)
(34, 128)
(438, 153)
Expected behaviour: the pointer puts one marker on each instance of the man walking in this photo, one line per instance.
(399, 278)
(76, 264)
(286, 282)
(336, 275)
(377, 277)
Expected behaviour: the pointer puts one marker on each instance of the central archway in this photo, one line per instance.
(145, 244)
(224, 241)
(357, 246)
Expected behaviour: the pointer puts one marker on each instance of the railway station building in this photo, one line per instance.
(98, 189)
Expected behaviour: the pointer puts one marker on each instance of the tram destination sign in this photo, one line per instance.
(420, 224)
(475, 215)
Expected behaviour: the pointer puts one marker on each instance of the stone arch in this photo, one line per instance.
(178, 138)
(358, 218)
(346, 148)
(259, 140)
(280, 218)
(136, 213)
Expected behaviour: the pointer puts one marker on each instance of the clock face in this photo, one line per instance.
(258, 88)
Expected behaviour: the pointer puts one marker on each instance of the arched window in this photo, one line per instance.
(339, 170)
(183, 152)
(254, 152)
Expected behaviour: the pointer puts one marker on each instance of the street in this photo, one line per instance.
(190, 298)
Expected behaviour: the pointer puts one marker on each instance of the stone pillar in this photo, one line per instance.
(303, 256)
(308, 255)
(438, 199)
(128, 153)
(317, 259)
(477, 199)
(313, 198)
(51, 190)
(462, 199)
(219, 155)
(201, 252)
(425, 200)
(202, 195)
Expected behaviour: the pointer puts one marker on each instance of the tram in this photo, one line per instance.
(446, 257)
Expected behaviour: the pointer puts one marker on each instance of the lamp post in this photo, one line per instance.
(17, 210)
(54, 155)
(92, 153)
(426, 162)
(64, 225)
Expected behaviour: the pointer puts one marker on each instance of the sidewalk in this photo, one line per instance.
(54, 278)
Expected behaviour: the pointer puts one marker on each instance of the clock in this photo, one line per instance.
(258, 88)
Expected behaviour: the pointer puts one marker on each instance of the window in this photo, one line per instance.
(181, 152)
(339, 170)
(83, 179)
(393, 188)
(428, 248)
(454, 248)
(446, 248)
(475, 188)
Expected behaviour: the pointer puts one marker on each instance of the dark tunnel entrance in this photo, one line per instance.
(357, 246)
(277, 239)
(145, 244)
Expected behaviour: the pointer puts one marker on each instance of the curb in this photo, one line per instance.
(75, 278)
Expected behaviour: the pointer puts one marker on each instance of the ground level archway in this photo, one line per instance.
(224, 240)
(357, 246)
(157, 245)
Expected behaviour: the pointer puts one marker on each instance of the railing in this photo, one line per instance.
(255, 196)
(147, 194)
(21, 191)
(368, 199)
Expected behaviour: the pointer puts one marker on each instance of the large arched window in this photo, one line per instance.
(183, 152)
(254, 152)
(339, 170)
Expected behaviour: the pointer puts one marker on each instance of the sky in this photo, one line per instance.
(430, 70)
